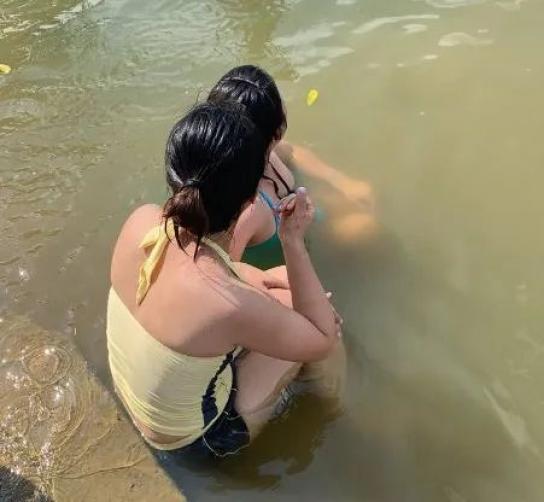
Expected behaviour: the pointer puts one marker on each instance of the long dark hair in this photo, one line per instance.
(256, 90)
(215, 157)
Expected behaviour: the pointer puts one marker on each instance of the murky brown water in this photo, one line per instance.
(437, 103)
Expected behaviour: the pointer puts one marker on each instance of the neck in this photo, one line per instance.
(223, 239)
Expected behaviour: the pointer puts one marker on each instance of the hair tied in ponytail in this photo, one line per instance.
(192, 183)
(214, 159)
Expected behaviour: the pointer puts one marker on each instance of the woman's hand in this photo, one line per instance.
(297, 212)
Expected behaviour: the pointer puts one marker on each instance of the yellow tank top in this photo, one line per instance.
(171, 393)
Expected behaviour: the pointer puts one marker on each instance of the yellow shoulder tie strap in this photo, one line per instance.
(158, 238)
(223, 255)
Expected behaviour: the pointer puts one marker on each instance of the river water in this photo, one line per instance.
(437, 104)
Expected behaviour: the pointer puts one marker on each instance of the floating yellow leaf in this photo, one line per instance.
(311, 97)
(5, 69)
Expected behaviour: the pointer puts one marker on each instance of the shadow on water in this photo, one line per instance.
(286, 447)
(16, 488)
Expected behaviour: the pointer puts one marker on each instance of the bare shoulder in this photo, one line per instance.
(141, 220)
(284, 150)
(135, 227)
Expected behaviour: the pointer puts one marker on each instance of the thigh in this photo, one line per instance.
(261, 380)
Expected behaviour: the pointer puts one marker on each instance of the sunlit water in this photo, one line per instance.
(437, 103)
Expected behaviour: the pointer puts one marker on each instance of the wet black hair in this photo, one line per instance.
(215, 157)
(255, 89)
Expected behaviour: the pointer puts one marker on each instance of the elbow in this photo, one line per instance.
(325, 348)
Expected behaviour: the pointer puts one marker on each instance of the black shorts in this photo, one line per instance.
(228, 434)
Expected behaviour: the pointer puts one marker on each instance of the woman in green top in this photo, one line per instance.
(256, 234)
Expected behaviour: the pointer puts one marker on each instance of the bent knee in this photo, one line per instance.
(259, 389)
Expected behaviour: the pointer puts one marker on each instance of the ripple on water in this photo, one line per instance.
(68, 15)
(38, 180)
(412, 28)
(462, 38)
(61, 430)
(308, 50)
(46, 402)
(17, 112)
(453, 4)
(46, 365)
(374, 24)
(513, 423)
(513, 5)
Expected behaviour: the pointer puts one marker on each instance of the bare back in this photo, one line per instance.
(187, 296)
(198, 308)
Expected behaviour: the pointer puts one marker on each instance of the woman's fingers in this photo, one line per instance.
(290, 206)
(301, 201)
(298, 202)
(296, 214)
(282, 204)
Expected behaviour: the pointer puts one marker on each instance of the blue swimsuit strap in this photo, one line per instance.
(270, 203)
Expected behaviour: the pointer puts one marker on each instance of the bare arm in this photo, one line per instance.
(295, 156)
(299, 157)
(309, 298)
(307, 332)
(266, 326)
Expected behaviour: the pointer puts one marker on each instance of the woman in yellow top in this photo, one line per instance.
(180, 311)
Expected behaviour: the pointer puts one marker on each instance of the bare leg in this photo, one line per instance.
(261, 381)
(325, 378)
(353, 227)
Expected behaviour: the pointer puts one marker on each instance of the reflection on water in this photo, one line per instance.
(59, 430)
(45, 403)
(434, 102)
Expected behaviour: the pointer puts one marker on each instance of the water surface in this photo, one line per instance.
(436, 103)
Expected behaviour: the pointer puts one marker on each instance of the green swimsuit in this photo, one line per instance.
(266, 254)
